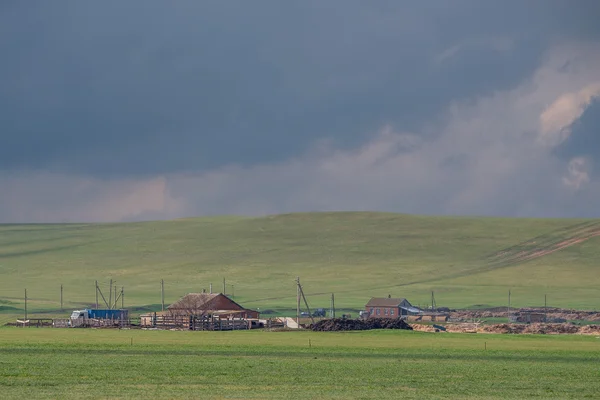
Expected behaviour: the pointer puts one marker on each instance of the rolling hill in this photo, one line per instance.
(467, 262)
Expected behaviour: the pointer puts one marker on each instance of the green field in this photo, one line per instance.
(354, 255)
(71, 363)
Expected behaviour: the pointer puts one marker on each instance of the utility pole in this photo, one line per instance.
(25, 304)
(116, 298)
(162, 293)
(332, 308)
(110, 295)
(61, 297)
(508, 305)
(224, 290)
(210, 288)
(298, 301)
(232, 292)
(306, 303)
(433, 305)
(545, 309)
(122, 297)
(96, 295)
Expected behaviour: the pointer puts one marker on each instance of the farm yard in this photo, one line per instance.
(60, 363)
(470, 264)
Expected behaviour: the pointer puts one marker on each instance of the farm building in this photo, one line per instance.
(210, 303)
(213, 305)
(388, 307)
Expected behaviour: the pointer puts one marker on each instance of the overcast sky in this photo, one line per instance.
(133, 110)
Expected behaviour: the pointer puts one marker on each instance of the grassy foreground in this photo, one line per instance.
(354, 255)
(56, 363)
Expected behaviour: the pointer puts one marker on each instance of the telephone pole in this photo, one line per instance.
(61, 297)
(305, 302)
(224, 289)
(110, 295)
(122, 297)
(96, 295)
(162, 293)
(25, 304)
(509, 305)
(332, 308)
(116, 298)
(298, 301)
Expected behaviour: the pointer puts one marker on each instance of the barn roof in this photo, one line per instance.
(385, 302)
(206, 301)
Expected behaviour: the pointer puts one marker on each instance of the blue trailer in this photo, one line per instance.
(108, 314)
(89, 317)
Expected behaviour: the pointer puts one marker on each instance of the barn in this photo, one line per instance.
(215, 306)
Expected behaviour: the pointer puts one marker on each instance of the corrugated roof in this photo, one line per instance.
(413, 310)
(384, 302)
(197, 299)
(205, 301)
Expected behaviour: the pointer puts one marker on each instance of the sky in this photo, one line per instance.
(140, 110)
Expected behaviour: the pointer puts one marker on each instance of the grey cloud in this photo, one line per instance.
(143, 88)
(116, 111)
(485, 159)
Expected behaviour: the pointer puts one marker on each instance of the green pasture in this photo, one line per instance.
(71, 363)
(354, 255)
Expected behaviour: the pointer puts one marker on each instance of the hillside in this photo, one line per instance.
(465, 261)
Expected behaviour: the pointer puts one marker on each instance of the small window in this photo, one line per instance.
(385, 310)
(378, 310)
(392, 311)
(371, 310)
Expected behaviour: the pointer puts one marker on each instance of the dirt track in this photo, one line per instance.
(545, 244)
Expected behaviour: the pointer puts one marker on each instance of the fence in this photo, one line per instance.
(197, 323)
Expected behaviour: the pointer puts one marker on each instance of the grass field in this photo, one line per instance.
(354, 255)
(69, 363)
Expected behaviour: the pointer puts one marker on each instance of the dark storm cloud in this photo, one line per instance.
(149, 109)
(119, 88)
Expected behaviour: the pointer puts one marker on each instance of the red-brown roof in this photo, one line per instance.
(206, 301)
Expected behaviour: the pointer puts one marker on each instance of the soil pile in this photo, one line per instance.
(551, 328)
(590, 330)
(540, 328)
(339, 324)
(553, 314)
(536, 328)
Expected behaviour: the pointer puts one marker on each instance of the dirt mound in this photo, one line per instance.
(551, 329)
(536, 328)
(589, 330)
(540, 328)
(339, 324)
(502, 328)
(553, 314)
(423, 328)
